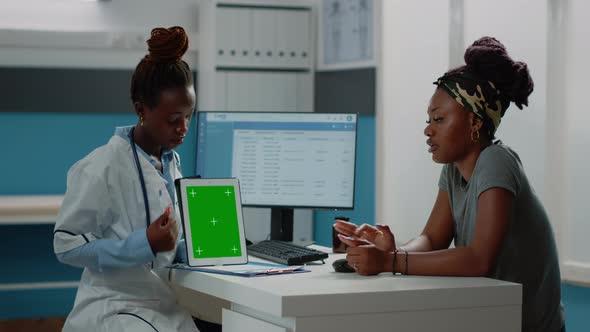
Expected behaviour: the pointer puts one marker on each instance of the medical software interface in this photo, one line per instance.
(213, 219)
(281, 159)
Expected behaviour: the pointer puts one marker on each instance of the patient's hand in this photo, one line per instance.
(380, 236)
(368, 260)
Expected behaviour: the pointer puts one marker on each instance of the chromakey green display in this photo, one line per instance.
(213, 221)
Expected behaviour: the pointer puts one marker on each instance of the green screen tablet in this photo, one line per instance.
(212, 220)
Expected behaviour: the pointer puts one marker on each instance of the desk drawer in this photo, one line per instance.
(236, 322)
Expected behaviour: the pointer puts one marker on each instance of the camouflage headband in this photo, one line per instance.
(476, 95)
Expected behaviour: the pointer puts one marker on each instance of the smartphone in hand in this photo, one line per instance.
(337, 245)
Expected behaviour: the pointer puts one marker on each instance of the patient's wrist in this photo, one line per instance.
(387, 264)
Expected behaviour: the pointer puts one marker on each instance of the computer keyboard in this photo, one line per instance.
(285, 252)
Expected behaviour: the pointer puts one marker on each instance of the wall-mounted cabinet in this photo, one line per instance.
(263, 37)
(257, 55)
(264, 91)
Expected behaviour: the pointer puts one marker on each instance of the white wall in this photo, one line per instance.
(415, 51)
(88, 34)
(113, 34)
(80, 15)
(550, 135)
(576, 226)
(523, 130)
(554, 141)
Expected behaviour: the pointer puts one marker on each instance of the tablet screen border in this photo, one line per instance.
(181, 185)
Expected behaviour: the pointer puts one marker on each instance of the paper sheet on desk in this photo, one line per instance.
(252, 269)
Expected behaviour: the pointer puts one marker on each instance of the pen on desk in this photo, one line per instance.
(271, 271)
(277, 271)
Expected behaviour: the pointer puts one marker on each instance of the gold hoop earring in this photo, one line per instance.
(141, 121)
(475, 136)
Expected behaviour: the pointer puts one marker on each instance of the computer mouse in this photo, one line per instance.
(341, 265)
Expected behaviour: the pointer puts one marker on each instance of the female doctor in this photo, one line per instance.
(117, 220)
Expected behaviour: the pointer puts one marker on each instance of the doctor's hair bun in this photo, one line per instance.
(167, 44)
(163, 68)
(487, 57)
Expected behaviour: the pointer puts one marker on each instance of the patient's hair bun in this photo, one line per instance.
(488, 58)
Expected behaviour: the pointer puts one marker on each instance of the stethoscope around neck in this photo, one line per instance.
(141, 178)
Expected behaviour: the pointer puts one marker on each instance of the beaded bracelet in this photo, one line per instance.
(406, 268)
(394, 259)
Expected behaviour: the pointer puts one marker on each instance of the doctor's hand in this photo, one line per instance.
(162, 233)
(367, 260)
(380, 236)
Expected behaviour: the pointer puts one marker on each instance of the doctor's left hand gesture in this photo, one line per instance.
(162, 233)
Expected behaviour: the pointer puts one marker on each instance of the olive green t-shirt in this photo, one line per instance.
(528, 255)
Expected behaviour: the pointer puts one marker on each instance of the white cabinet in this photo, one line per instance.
(256, 55)
(293, 36)
(233, 36)
(264, 91)
(266, 37)
(236, 322)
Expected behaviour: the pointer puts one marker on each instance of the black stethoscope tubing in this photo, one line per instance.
(141, 179)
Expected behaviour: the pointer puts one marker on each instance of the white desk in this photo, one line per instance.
(323, 300)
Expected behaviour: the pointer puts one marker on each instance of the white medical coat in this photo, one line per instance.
(104, 200)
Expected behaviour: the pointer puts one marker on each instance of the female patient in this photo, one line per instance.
(485, 203)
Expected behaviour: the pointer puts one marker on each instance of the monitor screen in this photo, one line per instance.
(302, 160)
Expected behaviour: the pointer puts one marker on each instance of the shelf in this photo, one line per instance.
(37, 209)
(79, 49)
(122, 40)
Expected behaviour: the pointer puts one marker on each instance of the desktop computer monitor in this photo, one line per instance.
(282, 160)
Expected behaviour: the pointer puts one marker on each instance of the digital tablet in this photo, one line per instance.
(211, 213)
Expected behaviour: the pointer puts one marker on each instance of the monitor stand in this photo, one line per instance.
(281, 224)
